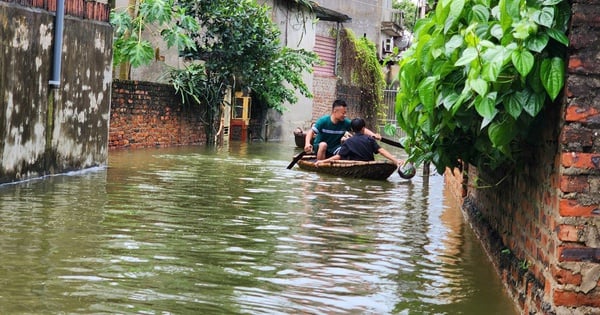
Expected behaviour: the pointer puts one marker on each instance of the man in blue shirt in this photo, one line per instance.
(329, 130)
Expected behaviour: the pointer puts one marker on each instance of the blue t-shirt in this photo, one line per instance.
(330, 133)
(359, 147)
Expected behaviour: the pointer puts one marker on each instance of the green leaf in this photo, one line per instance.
(552, 73)
(452, 44)
(514, 103)
(140, 53)
(502, 133)
(486, 105)
(537, 42)
(509, 10)
(493, 63)
(521, 30)
(479, 85)
(480, 13)
(523, 61)
(450, 100)
(544, 17)
(558, 36)
(467, 56)
(426, 90)
(534, 104)
(456, 7)
(496, 31)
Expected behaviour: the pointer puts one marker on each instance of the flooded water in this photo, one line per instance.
(204, 231)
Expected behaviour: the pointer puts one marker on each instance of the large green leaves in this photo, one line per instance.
(477, 77)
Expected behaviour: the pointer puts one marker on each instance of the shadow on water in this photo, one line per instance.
(205, 231)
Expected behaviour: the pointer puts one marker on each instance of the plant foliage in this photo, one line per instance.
(241, 43)
(234, 43)
(476, 78)
(361, 65)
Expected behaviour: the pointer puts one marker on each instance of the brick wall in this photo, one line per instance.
(324, 94)
(84, 9)
(145, 114)
(540, 226)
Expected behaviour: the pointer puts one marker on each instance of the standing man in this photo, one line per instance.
(329, 130)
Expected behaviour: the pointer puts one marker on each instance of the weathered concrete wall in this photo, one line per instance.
(145, 114)
(541, 226)
(45, 131)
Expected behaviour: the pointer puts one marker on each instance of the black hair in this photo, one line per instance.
(337, 103)
(357, 124)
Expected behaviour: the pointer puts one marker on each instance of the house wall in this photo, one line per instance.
(46, 130)
(541, 224)
(366, 17)
(298, 32)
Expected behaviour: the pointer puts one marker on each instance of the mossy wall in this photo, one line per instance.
(46, 130)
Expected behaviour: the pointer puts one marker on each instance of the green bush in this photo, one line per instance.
(476, 78)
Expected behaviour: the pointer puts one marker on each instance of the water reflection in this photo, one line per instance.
(205, 231)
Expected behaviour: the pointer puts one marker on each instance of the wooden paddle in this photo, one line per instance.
(297, 158)
(392, 142)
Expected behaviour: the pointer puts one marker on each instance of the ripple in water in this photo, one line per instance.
(200, 231)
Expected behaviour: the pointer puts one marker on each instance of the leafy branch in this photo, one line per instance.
(477, 77)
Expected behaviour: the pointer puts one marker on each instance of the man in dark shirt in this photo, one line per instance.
(360, 147)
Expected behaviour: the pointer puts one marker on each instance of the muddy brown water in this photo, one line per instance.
(232, 231)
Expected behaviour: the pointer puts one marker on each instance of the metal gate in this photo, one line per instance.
(389, 103)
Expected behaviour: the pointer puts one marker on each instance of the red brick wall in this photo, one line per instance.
(541, 225)
(145, 114)
(327, 89)
(323, 95)
(84, 9)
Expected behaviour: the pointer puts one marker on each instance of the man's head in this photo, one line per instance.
(358, 124)
(338, 110)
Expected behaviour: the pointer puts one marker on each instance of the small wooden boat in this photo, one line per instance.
(299, 138)
(378, 170)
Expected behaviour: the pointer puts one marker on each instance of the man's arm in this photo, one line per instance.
(389, 156)
(308, 148)
(370, 133)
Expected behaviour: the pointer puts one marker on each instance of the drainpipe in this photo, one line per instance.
(54, 83)
(58, 42)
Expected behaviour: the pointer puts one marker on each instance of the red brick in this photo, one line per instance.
(581, 160)
(574, 184)
(572, 208)
(569, 233)
(563, 276)
(575, 63)
(569, 298)
(579, 113)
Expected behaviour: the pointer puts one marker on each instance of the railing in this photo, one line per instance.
(389, 101)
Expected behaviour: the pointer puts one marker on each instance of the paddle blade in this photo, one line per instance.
(297, 158)
(392, 142)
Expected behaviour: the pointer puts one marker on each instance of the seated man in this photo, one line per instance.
(360, 147)
(328, 131)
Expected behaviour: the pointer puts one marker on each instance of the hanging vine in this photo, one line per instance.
(360, 67)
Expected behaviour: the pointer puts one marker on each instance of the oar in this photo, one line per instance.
(296, 159)
(392, 142)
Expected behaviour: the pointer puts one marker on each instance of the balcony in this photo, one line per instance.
(393, 26)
